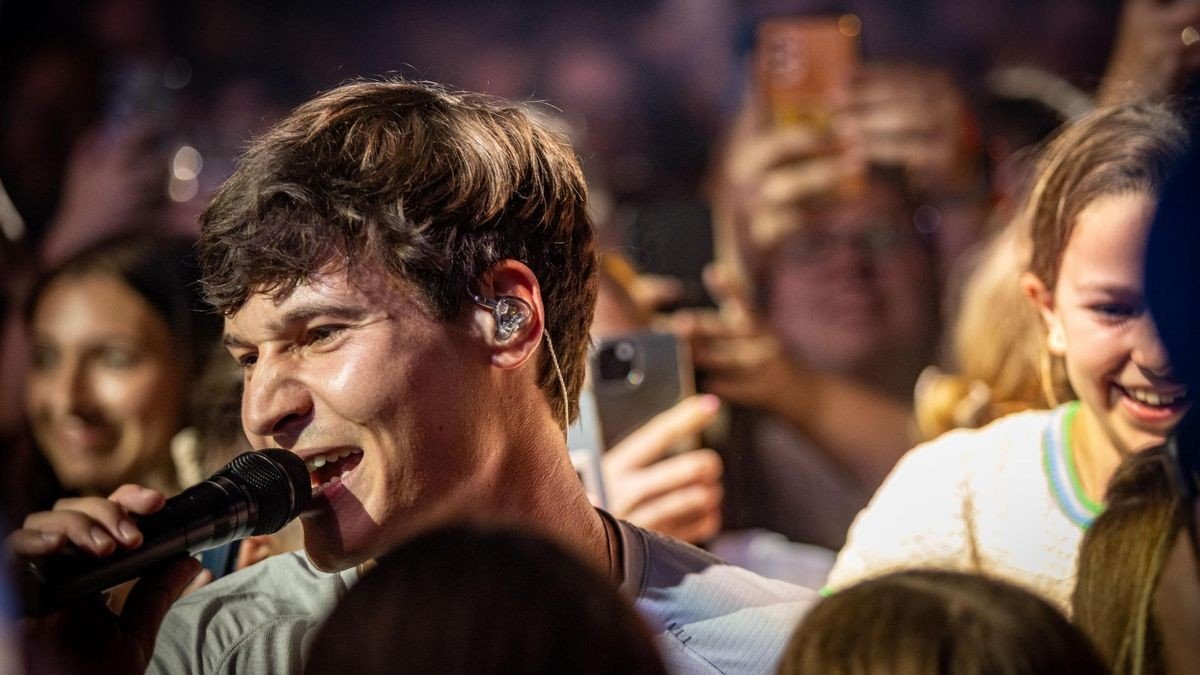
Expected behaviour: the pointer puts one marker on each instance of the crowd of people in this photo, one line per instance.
(934, 408)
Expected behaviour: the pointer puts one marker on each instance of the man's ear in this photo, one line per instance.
(1042, 299)
(508, 312)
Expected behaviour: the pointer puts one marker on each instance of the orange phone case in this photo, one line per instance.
(800, 61)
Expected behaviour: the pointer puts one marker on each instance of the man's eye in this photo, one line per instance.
(321, 334)
(246, 360)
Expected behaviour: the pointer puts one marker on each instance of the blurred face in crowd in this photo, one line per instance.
(1098, 322)
(372, 392)
(854, 285)
(104, 395)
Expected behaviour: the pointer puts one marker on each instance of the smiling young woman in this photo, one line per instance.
(1013, 499)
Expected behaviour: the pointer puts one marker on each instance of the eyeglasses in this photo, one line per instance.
(813, 246)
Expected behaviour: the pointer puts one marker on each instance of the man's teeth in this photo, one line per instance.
(321, 460)
(1150, 397)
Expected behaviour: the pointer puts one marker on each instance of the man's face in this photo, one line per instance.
(376, 396)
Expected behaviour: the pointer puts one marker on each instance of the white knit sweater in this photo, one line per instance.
(1004, 500)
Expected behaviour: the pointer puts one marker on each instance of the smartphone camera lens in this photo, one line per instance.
(616, 362)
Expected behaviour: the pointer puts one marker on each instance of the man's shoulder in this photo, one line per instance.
(259, 618)
(710, 616)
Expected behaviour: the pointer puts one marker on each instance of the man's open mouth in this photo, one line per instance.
(328, 469)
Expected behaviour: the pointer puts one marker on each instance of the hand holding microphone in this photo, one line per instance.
(256, 493)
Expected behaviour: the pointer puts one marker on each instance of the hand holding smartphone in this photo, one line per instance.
(801, 63)
(636, 376)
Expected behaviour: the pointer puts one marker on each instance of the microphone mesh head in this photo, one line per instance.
(277, 481)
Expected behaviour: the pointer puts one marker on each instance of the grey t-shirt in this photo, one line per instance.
(708, 617)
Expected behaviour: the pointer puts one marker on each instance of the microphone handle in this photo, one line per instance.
(206, 515)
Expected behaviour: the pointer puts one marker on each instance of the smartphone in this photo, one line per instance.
(799, 62)
(636, 376)
(674, 237)
(585, 443)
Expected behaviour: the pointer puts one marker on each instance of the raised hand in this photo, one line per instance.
(1157, 50)
(88, 637)
(679, 495)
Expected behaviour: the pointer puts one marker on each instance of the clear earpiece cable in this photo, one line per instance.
(562, 385)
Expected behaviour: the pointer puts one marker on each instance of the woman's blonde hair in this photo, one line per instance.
(996, 344)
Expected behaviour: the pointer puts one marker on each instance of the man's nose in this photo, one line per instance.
(275, 404)
(1149, 352)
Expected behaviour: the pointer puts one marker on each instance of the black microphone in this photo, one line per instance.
(256, 493)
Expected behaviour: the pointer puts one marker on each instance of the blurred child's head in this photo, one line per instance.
(934, 622)
(1089, 215)
(466, 600)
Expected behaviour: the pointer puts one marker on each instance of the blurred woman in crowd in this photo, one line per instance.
(118, 333)
(828, 282)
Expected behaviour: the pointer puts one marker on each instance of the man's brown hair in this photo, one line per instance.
(431, 185)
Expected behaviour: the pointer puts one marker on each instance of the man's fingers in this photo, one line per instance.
(137, 499)
(30, 543)
(655, 291)
(151, 597)
(660, 435)
(79, 528)
(109, 515)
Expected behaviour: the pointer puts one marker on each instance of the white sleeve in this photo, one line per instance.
(919, 517)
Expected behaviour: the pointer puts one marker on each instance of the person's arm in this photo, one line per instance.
(861, 428)
(88, 637)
